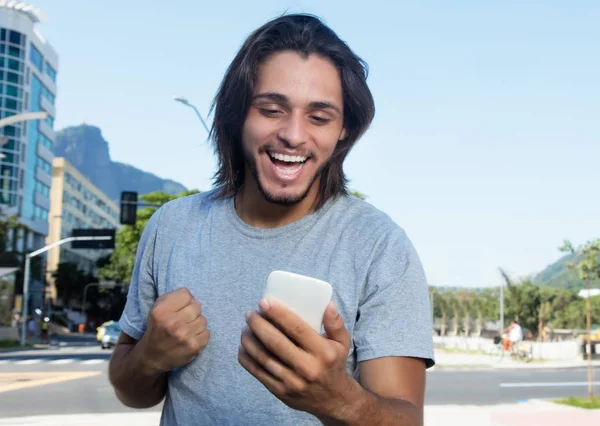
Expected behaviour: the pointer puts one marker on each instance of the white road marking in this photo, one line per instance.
(28, 361)
(93, 361)
(61, 361)
(546, 384)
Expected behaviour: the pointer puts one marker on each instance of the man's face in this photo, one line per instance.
(293, 125)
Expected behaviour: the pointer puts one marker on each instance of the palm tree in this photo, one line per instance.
(465, 300)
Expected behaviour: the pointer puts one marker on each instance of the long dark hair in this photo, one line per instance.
(305, 34)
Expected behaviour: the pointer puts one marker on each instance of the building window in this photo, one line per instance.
(50, 121)
(44, 165)
(43, 140)
(14, 51)
(12, 77)
(36, 57)
(12, 104)
(46, 94)
(13, 91)
(40, 213)
(15, 38)
(50, 71)
(42, 189)
(15, 65)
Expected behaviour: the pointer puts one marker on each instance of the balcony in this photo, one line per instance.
(48, 107)
(43, 177)
(45, 153)
(42, 201)
(46, 129)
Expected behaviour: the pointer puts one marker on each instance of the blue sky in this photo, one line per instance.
(485, 145)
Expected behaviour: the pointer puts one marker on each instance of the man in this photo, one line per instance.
(514, 335)
(291, 106)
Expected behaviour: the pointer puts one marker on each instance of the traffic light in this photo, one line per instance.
(129, 202)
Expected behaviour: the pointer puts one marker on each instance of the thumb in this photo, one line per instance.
(335, 329)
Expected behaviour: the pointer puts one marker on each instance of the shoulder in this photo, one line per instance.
(172, 215)
(365, 221)
(191, 205)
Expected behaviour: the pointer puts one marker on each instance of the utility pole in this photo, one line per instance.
(501, 308)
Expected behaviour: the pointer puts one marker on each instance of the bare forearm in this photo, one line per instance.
(366, 408)
(134, 386)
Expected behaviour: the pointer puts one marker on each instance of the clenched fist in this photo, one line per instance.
(176, 332)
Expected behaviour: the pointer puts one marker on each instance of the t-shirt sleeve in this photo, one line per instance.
(394, 314)
(142, 287)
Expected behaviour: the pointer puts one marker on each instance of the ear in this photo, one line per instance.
(343, 135)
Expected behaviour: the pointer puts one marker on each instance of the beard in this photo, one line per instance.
(281, 200)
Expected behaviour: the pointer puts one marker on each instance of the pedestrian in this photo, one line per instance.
(45, 334)
(292, 104)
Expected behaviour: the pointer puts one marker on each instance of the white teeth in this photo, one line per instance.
(289, 171)
(288, 158)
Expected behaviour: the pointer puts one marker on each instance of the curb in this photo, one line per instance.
(556, 406)
(449, 367)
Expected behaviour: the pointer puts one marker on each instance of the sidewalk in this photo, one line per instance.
(525, 414)
(456, 360)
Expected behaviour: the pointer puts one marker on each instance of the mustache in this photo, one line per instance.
(271, 147)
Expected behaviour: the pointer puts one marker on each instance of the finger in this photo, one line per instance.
(278, 343)
(191, 312)
(202, 338)
(198, 325)
(269, 361)
(271, 383)
(292, 325)
(335, 327)
(175, 300)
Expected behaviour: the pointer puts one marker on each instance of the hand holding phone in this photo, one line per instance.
(307, 297)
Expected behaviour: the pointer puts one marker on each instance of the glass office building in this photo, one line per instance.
(28, 70)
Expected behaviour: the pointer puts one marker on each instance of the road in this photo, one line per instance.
(74, 380)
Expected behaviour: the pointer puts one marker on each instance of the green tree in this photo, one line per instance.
(486, 307)
(547, 296)
(358, 194)
(70, 282)
(522, 302)
(587, 265)
(8, 224)
(441, 307)
(120, 265)
(465, 300)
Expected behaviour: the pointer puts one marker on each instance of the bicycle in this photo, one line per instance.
(519, 351)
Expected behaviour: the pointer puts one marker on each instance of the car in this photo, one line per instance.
(102, 329)
(111, 335)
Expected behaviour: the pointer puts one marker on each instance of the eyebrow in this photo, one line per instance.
(282, 99)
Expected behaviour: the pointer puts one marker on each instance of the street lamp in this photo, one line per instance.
(187, 103)
(24, 116)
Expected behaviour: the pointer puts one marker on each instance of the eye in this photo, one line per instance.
(269, 112)
(319, 120)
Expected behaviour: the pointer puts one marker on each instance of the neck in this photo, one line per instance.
(252, 207)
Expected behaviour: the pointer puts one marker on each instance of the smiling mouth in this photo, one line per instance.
(287, 164)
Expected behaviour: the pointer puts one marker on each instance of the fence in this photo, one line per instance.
(566, 350)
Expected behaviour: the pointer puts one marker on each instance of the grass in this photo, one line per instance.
(590, 404)
(463, 351)
(11, 344)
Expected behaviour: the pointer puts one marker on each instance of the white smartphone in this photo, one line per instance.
(307, 297)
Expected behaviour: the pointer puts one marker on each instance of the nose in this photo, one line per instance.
(294, 130)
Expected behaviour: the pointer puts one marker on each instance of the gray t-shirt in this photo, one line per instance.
(196, 242)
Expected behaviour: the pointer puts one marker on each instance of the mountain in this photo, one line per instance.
(558, 275)
(85, 148)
